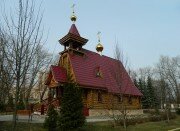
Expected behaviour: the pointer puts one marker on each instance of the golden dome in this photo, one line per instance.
(99, 47)
(73, 18)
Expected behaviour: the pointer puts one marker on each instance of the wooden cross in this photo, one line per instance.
(98, 34)
(73, 7)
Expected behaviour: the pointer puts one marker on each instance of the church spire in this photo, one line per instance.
(73, 39)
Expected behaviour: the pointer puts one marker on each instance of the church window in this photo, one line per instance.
(120, 98)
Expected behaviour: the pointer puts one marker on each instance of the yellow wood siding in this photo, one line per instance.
(109, 101)
(53, 83)
(65, 62)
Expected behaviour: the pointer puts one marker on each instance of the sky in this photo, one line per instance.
(143, 29)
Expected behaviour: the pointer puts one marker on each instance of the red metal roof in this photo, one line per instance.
(73, 30)
(59, 74)
(85, 69)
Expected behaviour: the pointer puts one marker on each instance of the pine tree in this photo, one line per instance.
(143, 89)
(51, 121)
(136, 83)
(71, 112)
(150, 92)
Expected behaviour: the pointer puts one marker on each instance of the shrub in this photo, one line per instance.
(155, 118)
(149, 111)
(178, 111)
(51, 121)
(171, 115)
(2, 107)
(132, 120)
(157, 112)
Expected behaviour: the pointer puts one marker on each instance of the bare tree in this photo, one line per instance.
(42, 88)
(143, 73)
(24, 49)
(118, 74)
(169, 69)
(119, 55)
(6, 78)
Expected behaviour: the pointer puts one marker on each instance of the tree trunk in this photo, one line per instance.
(15, 105)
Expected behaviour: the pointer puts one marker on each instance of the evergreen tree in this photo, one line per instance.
(145, 96)
(143, 89)
(71, 112)
(51, 121)
(136, 83)
(2, 107)
(150, 93)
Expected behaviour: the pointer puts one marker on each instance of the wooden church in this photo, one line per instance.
(105, 83)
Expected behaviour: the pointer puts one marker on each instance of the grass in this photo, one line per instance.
(100, 126)
(157, 126)
(21, 126)
(149, 126)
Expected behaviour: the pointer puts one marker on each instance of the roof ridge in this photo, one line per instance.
(102, 55)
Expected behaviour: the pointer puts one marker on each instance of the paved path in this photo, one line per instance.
(40, 118)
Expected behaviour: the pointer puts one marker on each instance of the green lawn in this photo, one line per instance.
(149, 126)
(7, 126)
(100, 126)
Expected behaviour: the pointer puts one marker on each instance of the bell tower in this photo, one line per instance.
(73, 40)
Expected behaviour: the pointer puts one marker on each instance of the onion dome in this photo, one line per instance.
(73, 18)
(99, 46)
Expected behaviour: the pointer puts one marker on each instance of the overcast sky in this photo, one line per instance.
(145, 29)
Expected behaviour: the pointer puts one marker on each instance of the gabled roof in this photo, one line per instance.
(85, 72)
(58, 73)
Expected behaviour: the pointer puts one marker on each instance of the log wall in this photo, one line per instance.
(109, 101)
(90, 96)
